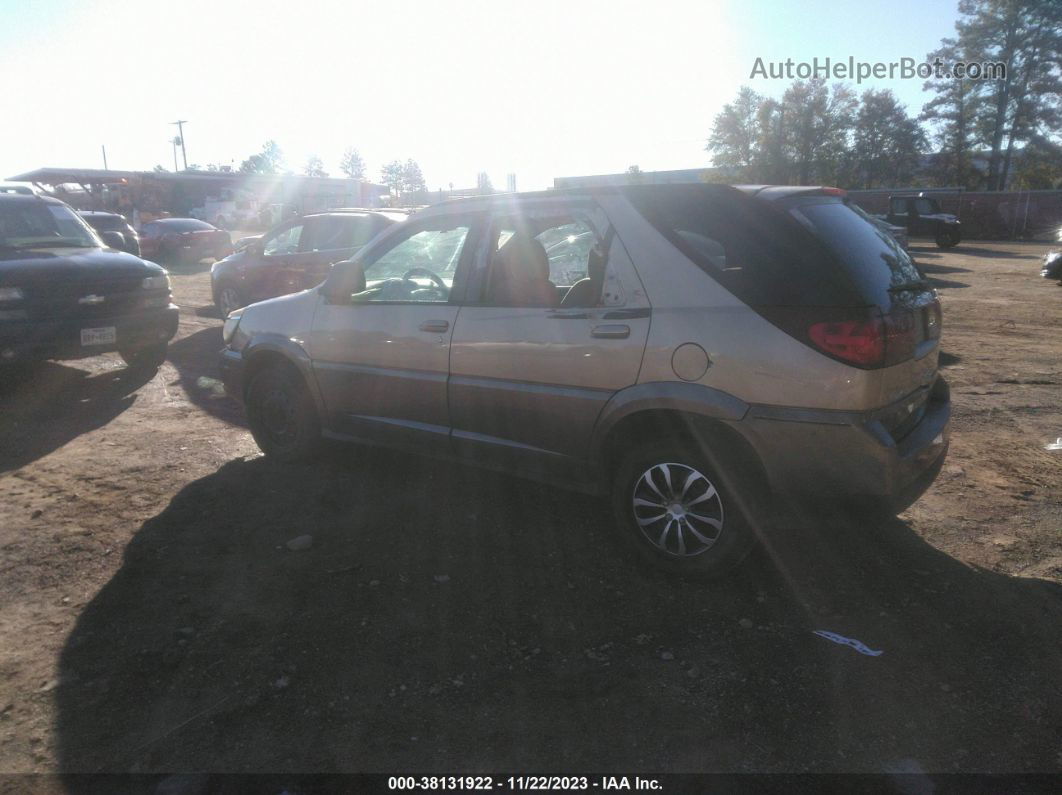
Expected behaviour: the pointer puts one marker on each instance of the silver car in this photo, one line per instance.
(699, 353)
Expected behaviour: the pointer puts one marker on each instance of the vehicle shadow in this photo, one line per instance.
(47, 405)
(196, 359)
(948, 359)
(937, 282)
(450, 619)
(991, 253)
(944, 269)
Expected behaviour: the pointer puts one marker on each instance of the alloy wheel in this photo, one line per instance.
(678, 509)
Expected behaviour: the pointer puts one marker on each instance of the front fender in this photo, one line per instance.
(268, 346)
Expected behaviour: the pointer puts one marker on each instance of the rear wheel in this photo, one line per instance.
(146, 359)
(282, 415)
(675, 511)
(947, 238)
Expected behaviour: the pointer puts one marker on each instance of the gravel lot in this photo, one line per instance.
(447, 620)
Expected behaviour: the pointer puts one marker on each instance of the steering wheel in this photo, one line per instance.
(425, 272)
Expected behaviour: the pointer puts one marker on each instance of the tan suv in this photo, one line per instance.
(694, 351)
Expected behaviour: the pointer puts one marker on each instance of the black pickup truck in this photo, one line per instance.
(921, 216)
(68, 293)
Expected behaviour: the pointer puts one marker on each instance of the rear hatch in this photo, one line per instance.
(807, 262)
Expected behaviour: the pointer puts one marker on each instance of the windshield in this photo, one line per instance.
(39, 225)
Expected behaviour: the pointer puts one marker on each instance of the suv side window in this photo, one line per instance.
(923, 206)
(520, 246)
(899, 206)
(417, 267)
(286, 241)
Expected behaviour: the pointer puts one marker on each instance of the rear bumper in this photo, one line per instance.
(838, 456)
(61, 339)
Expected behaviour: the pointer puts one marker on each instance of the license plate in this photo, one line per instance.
(99, 336)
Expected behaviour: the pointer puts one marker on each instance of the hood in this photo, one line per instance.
(39, 265)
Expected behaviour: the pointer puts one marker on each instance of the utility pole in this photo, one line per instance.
(104, 149)
(175, 166)
(180, 137)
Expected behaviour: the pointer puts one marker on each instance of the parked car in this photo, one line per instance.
(721, 351)
(294, 256)
(65, 293)
(113, 222)
(183, 240)
(921, 216)
(897, 233)
(24, 190)
(1052, 267)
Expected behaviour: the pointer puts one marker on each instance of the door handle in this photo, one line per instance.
(435, 326)
(611, 331)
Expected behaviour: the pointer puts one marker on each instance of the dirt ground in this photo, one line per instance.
(448, 620)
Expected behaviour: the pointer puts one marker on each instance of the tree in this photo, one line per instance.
(269, 161)
(412, 178)
(951, 114)
(635, 175)
(735, 133)
(160, 170)
(352, 165)
(886, 142)
(1040, 165)
(483, 184)
(315, 167)
(1026, 37)
(816, 139)
(392, 176)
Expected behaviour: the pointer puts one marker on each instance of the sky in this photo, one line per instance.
(540, 89)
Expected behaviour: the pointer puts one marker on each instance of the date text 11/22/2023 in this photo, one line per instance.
(520, 783)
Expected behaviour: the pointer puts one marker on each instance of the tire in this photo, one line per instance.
(147, 359)
(229, 298)
(690, 546)
(948, 238)
(282, 415)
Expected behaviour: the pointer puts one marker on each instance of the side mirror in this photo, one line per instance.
(345, 279)
(113, 239)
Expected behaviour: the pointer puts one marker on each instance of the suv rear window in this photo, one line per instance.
(105, 223)
(871, 256)
(757, 251)
(808, 250)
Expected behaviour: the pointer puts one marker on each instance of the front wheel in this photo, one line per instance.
(229, 299)
(676, 513)
(147, 359)
(282, 415)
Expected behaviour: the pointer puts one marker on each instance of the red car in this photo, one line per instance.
(183, 241)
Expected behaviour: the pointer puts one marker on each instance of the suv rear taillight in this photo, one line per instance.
(859, 342)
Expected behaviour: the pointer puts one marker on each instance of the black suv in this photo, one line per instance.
(921, 215)
(65, 293)
(113, 222)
